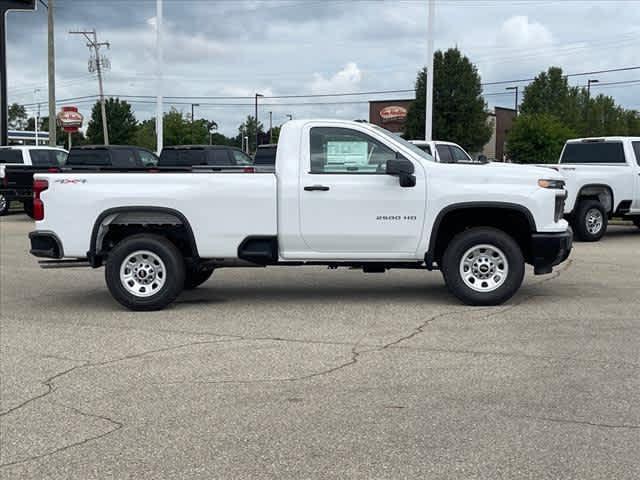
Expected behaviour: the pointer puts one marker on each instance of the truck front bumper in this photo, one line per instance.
(549, 250)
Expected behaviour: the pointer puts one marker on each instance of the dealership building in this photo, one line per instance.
(392, 115)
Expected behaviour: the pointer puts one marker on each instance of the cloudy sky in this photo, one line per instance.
(234, 48)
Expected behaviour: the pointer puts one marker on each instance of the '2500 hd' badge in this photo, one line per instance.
(72, 181)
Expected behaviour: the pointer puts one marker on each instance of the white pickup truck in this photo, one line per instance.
(344, 194)
(603, 181)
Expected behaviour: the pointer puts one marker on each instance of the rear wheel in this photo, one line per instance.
(4, 205)
(636, 221)
(483, 266)
(590, 222)
(195, 278)
(145, 272)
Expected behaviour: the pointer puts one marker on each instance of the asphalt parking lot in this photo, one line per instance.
(309, 373)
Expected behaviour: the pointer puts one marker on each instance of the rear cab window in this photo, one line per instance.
(11, 156)
(47, 158)
(89, 158)
(593, 153)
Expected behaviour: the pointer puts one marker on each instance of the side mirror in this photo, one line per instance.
(403, 169)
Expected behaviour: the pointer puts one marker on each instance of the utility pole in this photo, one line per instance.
(159, 67)
(428, 121)
(192, 118)
(516, 91)
(51, 71)
(100, 63)
(257, 96)
(35, 95)
(270, 127)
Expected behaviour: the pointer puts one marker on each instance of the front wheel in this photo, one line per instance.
(145, 272)
(590, 222)
(483, 266)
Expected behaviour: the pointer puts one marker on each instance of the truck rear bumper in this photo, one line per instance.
(549, 250)
(45, 245)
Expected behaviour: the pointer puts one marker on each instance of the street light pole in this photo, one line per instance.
(159, 86)
(589, 82)
(270, 127)
(516, 103)
(193, 105)
(428, 121)
(35, 94)
(257, 95)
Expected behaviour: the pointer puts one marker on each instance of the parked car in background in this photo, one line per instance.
(344, 194)
(204, 155)
(603, 181)
(117, 156)
(445, 152)
(17, 166)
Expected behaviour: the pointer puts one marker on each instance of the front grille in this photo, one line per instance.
(559, 212)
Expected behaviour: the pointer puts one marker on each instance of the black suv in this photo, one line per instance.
(204, 155)
(118, 156)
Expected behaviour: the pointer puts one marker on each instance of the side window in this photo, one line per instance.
(342, 150)
(218, 157)
(124, 158)
(42, 158)
(61, 157)
(11, 156)
(241, 158)
(458, 154)
(636, 150)
(425, 148)
(148, 159)
(444, 153)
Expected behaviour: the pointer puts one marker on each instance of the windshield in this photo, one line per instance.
(417, 150)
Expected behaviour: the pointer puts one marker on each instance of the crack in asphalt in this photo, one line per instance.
(354, 358)
(576, 422)
(118, 426)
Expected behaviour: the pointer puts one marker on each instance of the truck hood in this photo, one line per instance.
(527, 171)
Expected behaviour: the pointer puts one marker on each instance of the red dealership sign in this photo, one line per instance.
(70, 119)
(393, 113)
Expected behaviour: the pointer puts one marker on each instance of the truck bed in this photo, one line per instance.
(219, 207)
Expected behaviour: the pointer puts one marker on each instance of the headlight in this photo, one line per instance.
(556, 184)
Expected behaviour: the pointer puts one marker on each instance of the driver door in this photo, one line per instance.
(349, 207)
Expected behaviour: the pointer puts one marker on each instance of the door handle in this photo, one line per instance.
(313, 188)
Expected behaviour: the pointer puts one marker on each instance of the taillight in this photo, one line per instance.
(53, 170)
(5, 180)
(249, 170)
(39, 186)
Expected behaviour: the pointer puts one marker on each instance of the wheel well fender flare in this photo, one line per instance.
(92, 254)
(433, 239)
(596, 186)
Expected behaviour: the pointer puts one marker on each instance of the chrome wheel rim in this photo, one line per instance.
(484, 268)
(594, 221)
(3, 203)
(143, 273)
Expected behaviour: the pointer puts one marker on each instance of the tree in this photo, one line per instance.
(537, 138)
(248, 129)
(178, 130)
(459, 111)
(121, 122)
(17, 117)
(551, 94)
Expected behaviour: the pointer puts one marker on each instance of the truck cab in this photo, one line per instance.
(343, 194)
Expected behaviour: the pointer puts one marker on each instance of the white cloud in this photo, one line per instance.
(345, 80)
(520, 32)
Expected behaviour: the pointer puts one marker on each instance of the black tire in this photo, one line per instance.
(174, 271)
(636, 221)
(476, 237)
(28, 208)
(5, 204)
(583, 221)
(195, 278)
